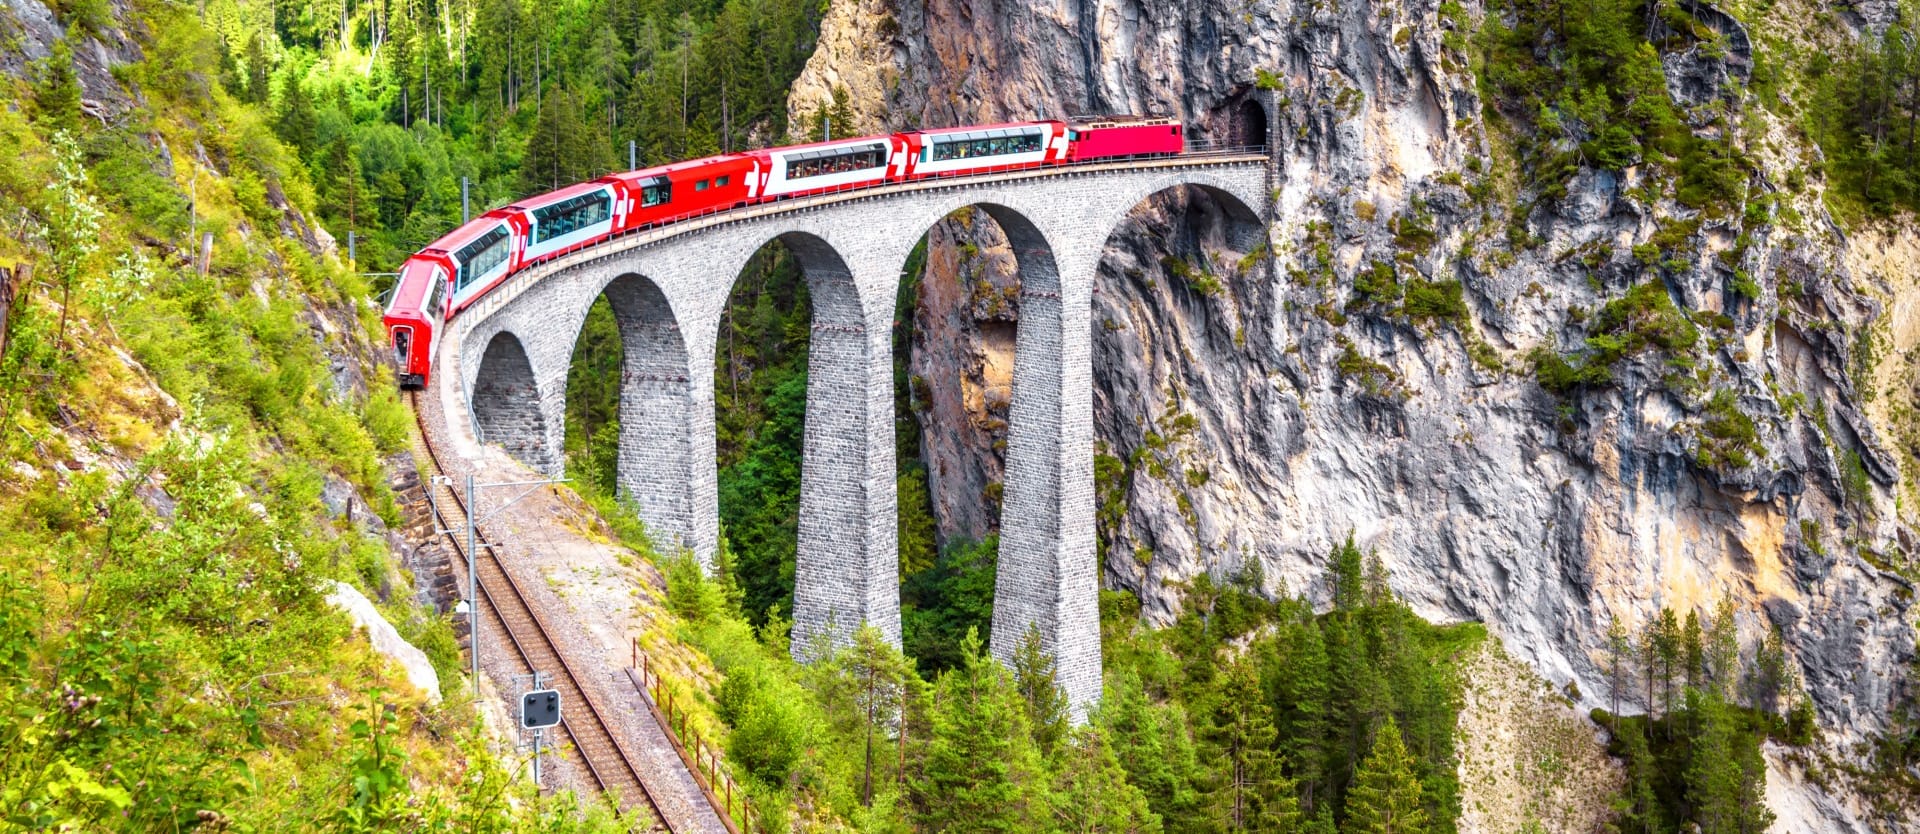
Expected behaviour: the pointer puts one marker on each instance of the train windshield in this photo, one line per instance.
(970, 145)
(835, 161)
(571, 215)
(655, 191)
(481, 256)
(402, 344)
(437, 297)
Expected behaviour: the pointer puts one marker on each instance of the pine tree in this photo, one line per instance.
(1769, 673)
(1153, 744)
(1091, 794)
(1250, 792)
(259, 70)
(298, 125)
(978, 764)
(561, 150)
(1294, 675)
(1385, 796)
(876, 674)
(1036, 679)
(1725, 776)
(343, 187)
(1693, 651)
(1344, 574)
(1638, 806)
(1723, 650)
(1619, 661)
(56, 96)
(1664, 641)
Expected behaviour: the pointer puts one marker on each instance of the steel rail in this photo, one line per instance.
(617, 772)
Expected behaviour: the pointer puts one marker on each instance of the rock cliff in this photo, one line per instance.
(1259, 406)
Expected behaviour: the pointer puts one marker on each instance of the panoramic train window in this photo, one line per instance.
(656, 191)
(571, 215)
(967, 147)
(834, 162)
(480, 257)
(438, 297)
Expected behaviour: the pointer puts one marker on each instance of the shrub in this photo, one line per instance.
(1378, 284)
(1562, 377)
(1727, 435)
(1436, 300)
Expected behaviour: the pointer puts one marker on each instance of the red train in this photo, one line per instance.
(458, 269)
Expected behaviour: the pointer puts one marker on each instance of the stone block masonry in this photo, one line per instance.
(669, 288)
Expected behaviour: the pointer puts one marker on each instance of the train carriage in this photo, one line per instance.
(992, 147)
(414, 318)
(1108, 137)
(479, 255)
(666, 193)
(826, 166)
(571, 216)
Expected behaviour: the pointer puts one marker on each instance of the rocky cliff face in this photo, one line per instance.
(1260, 406)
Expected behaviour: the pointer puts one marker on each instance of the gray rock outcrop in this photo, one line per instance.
(1253, 406)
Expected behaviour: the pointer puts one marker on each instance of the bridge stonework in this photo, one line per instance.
(505, 363)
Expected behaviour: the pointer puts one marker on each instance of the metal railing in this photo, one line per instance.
(701, 760)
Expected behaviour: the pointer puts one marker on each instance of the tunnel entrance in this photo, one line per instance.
(1247, 126)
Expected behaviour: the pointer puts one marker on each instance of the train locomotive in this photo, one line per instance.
(452, 273)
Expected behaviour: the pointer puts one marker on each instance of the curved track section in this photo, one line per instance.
(595, 746)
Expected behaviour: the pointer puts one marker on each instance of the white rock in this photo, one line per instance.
(385, 639)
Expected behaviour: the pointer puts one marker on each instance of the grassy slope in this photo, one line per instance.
(168, 658)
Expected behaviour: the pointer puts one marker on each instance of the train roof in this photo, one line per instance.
(882, 138)
(466, 232)
(674, 167)
(982, 129)
(1121, 120)
(552, 197)
(410, 290)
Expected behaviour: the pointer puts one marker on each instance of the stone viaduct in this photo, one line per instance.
(504, 363)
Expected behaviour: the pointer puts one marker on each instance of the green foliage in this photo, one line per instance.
(1700, 765)
(1385, 797)
(1599, 98)
(1034, 677)
(940, 605)
(1378, 284)
(56, 91)
(562, 149)
(1197, 277)
(1375, 377)
(1861, 111)
(980, 767)
(1727, 435)
(1436, 301)
(1646, 319)
(1185, 728)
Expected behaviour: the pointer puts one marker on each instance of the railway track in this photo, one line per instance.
(595, 746)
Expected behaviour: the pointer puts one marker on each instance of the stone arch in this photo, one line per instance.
(507, 404)
(846, 561)
(655, 469)
(1047, 576)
